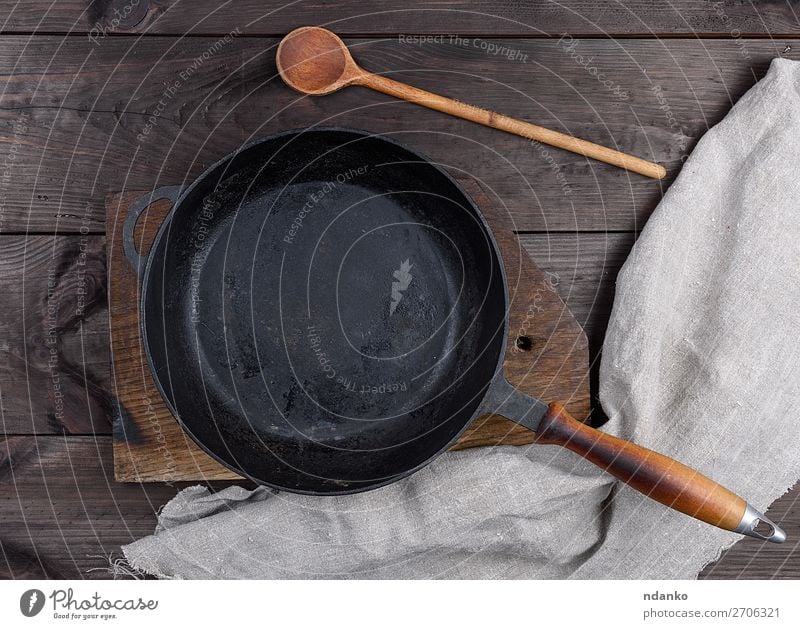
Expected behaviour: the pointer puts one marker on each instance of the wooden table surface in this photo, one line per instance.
(118, 95)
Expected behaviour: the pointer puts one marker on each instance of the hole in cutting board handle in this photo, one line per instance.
(525, 343)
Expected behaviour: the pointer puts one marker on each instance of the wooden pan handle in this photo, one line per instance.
(657, 476)
(510, 125)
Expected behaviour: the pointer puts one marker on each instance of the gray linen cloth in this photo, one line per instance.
(700, 362)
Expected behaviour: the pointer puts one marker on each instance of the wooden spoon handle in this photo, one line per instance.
(511, 125)
(657, 476)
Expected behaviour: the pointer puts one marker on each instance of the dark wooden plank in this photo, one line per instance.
(61, 514)
(54, 335)
(82, 120)
(21, 563)
(499, 17)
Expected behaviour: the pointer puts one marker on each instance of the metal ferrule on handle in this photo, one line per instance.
(752, 520)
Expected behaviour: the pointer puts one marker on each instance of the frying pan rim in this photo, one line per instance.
(163, 228)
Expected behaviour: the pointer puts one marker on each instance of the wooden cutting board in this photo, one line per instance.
(547, 354)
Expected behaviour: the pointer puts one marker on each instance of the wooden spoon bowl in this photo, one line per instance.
(313, 60)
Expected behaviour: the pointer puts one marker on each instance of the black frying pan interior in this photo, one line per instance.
(324, 311)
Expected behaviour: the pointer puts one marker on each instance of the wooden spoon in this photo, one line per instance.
(313, 60)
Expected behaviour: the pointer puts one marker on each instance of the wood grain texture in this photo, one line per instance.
(514, 126)
(111, 117)
(655, 475)
(61, 513)
(150, 446)
(499, 17)
(53, 335)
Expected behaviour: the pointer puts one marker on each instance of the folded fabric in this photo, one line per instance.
(700, 362)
